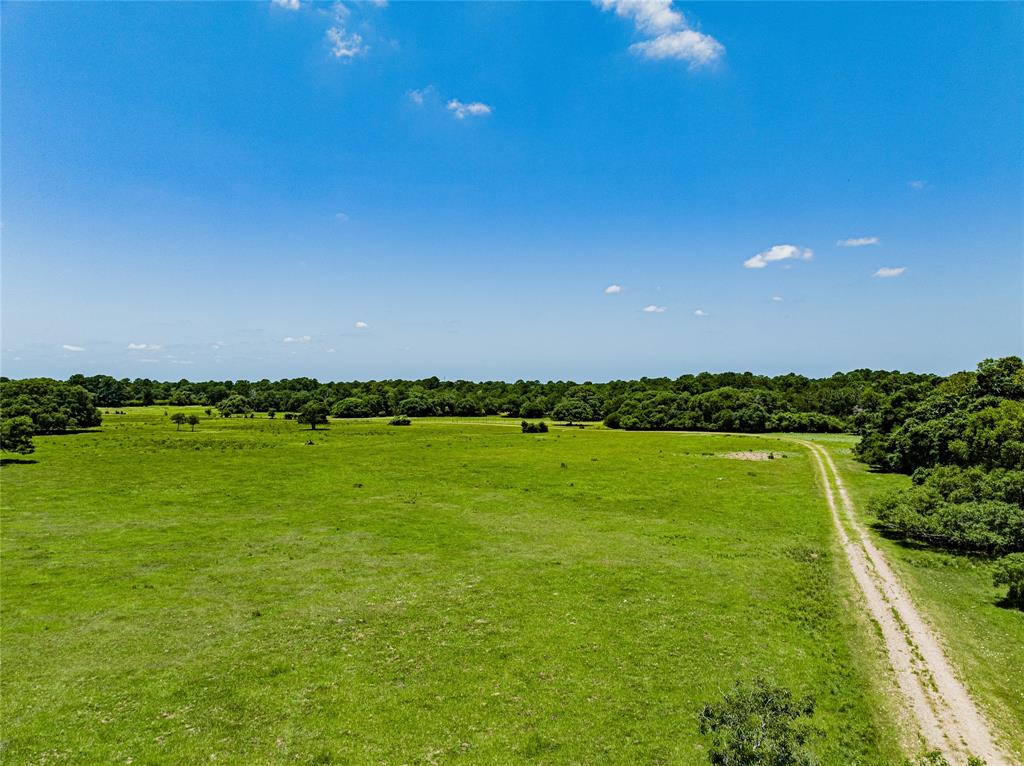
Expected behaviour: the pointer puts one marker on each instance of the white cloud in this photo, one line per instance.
(613, 290)
(473, 109)
(66, 347)
(701, 313)
(917, 184)
(417, 96)
(291, 5)
(778, 253)
(344, 44)
(686, 44)
(343, 217)
(857, 242)
(379, 3)
(143, 347)
(887, 272)
(652, 309)
(331, 351)
(673, 37)
(651, 16)
(360, 325)
(298, 339)
(777, 298)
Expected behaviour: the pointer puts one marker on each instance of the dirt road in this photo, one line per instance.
(947, 718)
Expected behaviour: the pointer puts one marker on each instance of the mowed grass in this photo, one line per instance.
(439, 593)
(983, 637)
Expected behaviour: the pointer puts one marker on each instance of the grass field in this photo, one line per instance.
(441, 593)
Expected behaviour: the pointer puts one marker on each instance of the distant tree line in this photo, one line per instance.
(963, 444)
(707, 401)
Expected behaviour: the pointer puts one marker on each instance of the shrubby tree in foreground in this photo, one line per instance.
(1009, 571)
(178, 418)
(193, 421)
(16, 435)
(758, 724)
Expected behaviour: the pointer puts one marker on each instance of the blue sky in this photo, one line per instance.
(249, 190)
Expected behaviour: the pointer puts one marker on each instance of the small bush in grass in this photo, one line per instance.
(534, 428)
(758, 724)
(1009, 571)
(401, 420)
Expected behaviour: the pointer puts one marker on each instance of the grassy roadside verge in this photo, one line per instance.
(984, 641)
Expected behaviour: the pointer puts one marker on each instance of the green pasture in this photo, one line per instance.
(447, 592)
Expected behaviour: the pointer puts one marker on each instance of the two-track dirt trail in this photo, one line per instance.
(948, 719)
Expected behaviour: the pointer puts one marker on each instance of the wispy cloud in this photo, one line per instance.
(343, 217)
(344, 44)
(777, 299)
(297, 339)
(857, 242)
(672, 37)
(291, 5)
(701, 313)
(917, 184)
(652, 309)
(888, 272)
(419, 95)
(613, 290)
(143, 347)
(472, 109)
(360, 325)
(68, 347)
(778, 253)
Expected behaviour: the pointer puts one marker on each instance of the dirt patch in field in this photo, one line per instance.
(750, 455)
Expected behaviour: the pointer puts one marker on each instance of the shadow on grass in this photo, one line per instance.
(1006, 603)
(16, 461)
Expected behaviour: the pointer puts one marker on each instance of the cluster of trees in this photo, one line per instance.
(707, 401)
(42, 406)
(534, 428)
(963, 443)
(180, 418)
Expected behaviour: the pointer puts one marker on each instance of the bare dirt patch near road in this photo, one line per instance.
(947, 717)
(749, 455)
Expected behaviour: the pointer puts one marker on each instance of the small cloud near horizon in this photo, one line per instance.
(701, 313)
(858, 242)
(299, 339)
(360, 325)
(917, 184)
(68, 347)
(613, 290)
(888, 272)
(652, 309)
(291, 5)
(777, 298)
(143, 347)
(778, 253)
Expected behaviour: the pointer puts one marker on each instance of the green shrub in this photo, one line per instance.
(1009, 571)
(758, 724)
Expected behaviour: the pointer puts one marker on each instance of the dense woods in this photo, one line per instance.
(708, 401)
(963, 444)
